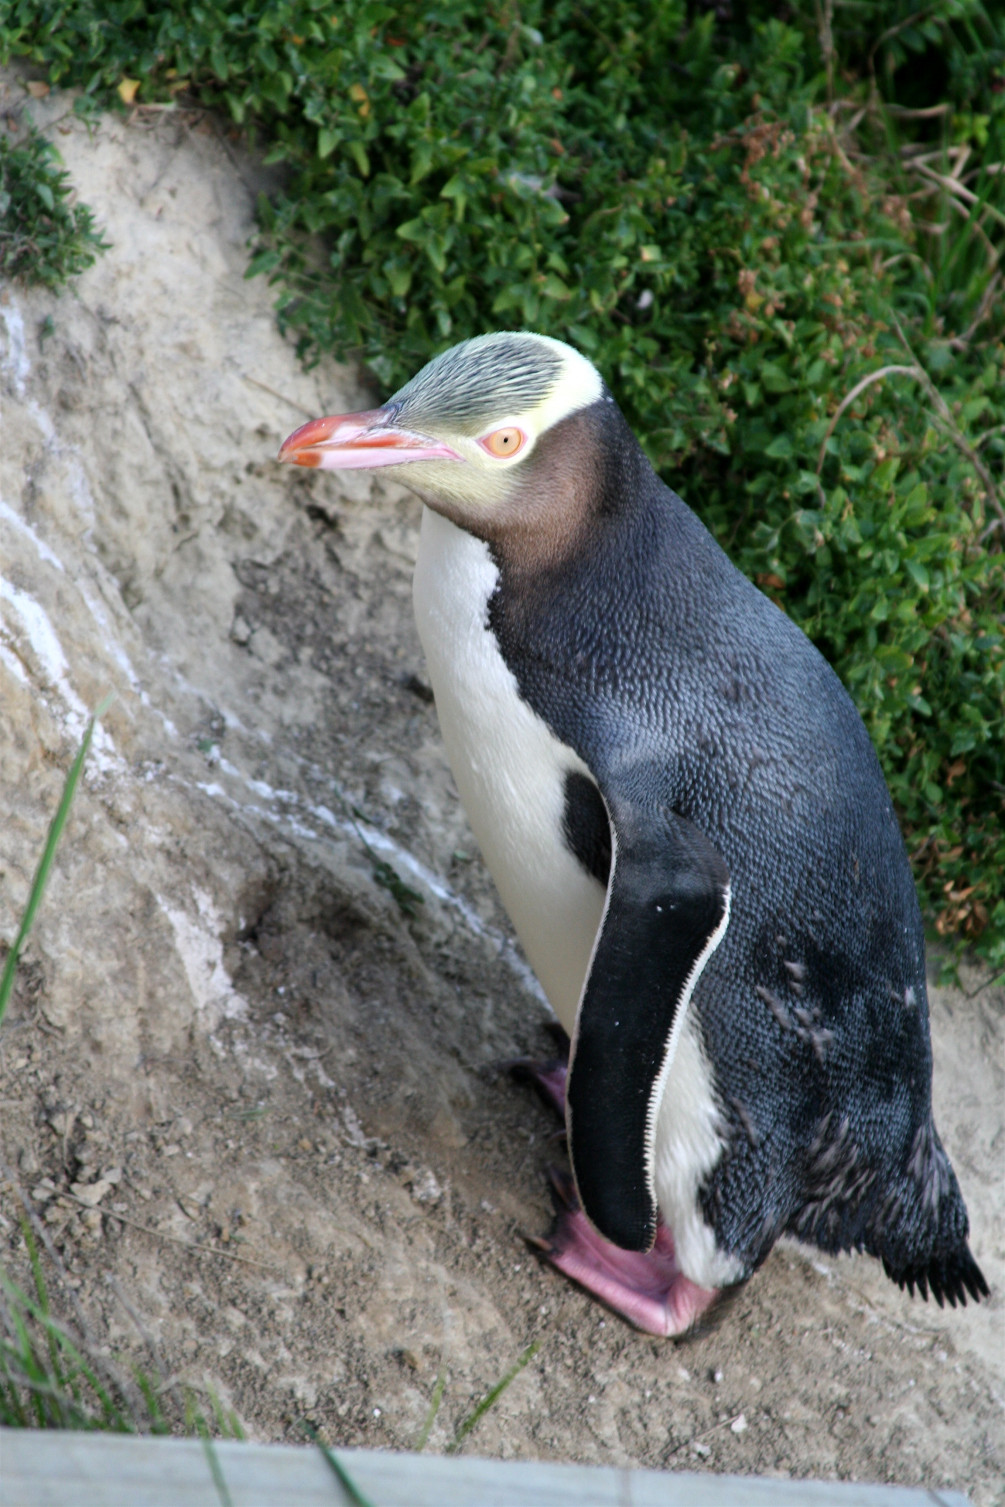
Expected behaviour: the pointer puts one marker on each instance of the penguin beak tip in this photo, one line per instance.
(359, 441)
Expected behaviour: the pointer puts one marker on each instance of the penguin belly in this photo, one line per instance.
(510, 769)
(511, 773)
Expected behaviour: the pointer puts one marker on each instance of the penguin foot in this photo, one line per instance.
(548, 1077)
(647, 1288)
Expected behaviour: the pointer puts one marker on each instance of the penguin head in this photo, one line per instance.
(468, 432)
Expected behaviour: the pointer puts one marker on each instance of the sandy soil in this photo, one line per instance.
(277, 1092)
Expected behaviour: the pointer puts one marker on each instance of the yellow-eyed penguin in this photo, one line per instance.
(689, 827)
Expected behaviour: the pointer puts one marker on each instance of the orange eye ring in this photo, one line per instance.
(502, 443)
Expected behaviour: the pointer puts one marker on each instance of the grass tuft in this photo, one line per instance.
(491, 1398)
(53, 1377)
(45, 862)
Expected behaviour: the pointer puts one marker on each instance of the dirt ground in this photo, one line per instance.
(257, 1105)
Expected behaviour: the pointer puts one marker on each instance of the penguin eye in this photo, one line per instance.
(503, 443)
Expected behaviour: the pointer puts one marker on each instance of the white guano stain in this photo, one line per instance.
(47, 650)
(199, 945)
(13, 664)
(15, 362)
(15, 520)
(381, 844)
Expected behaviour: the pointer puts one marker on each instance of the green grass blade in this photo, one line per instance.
(434, 1408)
(12, 1414)
(30, 1372)
(158, 1424)
(215, 1468)
(343, 1477)
(491, 1398)
(45, 863)
(43, 1295)
(42, 1362)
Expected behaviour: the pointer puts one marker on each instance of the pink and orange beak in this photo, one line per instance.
(359, 441)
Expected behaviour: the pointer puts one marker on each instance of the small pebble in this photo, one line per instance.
(90, 1193)
(425, 1188)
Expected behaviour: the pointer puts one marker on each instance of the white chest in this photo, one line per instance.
(509, 767)
(510, 770)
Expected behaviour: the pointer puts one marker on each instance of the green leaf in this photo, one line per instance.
(919, 573)
(413, 230)
(508, 298)
(553, 287)
(218, 62)
(774, 379)
(435, 248)
(263, 261)
(422, 161)
(400, 278)
(885, 473)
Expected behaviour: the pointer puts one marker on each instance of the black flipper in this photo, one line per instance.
(667, 910)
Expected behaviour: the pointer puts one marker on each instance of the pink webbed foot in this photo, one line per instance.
(548, 1077)
(647, 1288)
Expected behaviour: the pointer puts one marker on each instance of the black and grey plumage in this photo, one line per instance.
(689, 826)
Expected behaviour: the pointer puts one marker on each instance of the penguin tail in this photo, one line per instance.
(947, 1277)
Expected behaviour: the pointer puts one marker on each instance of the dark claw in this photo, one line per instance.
(560, 1037)
(713, 1316)
(528, 1069)
(563, 1190)
(546, 1075)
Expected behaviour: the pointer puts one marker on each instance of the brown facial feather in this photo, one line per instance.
(552, 504)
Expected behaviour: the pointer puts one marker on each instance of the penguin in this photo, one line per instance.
(688, 825)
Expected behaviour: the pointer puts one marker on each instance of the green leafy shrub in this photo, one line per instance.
(44, 236)
(780, 244)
